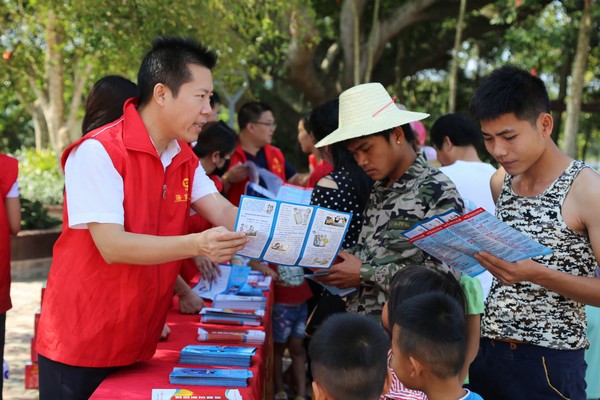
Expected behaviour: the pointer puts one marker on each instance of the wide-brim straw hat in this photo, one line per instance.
(366, 109)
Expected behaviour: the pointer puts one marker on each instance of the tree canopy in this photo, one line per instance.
(295, 54)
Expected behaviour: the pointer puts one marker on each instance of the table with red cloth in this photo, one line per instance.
(137, 381)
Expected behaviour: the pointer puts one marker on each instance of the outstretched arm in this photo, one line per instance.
(118, 246)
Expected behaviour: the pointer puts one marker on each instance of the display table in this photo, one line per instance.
(137, 381)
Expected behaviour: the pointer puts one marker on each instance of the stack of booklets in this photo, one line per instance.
(238, 302)
(226, 356)
(211, 315)
(210, 377)
(250, 336)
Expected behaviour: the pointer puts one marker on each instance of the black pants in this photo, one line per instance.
(66, 382)
(2, 333)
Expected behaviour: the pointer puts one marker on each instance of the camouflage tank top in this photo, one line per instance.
(529, 312)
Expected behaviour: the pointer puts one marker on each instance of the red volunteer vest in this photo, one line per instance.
(100, 315)
(8, 175)
(275, 164)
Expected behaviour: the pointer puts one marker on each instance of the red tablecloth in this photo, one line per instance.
(137, 381)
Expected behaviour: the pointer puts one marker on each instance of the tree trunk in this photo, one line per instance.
(348, 30)
(577, 80)
(301, 72)
(373, 37)
(54, 69)
(454, 65)
(562, 89)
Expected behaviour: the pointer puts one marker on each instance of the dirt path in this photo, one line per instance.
(19, 331)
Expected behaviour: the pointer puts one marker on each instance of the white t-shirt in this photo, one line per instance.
(14, 191)
(472, 179)
(94, 188)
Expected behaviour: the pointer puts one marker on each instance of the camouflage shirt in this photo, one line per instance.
(422, 192)
(529, 312)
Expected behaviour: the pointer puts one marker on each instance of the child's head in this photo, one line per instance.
(416, 279)
(428, 340)
(215, 144)
(349, 358)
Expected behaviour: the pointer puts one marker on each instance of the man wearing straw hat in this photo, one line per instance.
(407, 190)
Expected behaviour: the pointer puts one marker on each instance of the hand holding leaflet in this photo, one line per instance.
(457, 241)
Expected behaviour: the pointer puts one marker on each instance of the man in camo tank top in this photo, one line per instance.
(534, 326)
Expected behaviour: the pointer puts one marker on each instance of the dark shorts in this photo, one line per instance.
(504, 370)
(289, 321)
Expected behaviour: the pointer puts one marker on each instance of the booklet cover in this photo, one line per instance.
(294, 194)
(231, 317)
(232, 280)
(210, 377)
(226, 356)
(236, 302)
(204, 394)
(250, 336)
(455, 239)
(291, 234)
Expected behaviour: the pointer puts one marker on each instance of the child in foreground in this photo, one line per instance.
(428, 346)
(417, 279)
(348, 354)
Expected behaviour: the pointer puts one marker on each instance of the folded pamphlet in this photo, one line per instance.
(455, 239)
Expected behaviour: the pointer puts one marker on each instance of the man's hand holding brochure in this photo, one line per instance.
(456, 240)
(289, 233)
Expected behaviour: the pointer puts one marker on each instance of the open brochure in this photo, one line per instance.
(232, 281)
(291, 234)
(455, 239)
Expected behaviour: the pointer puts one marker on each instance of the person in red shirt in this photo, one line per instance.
(130, 186)
(320, 167)
(257, 126)
(10, 224)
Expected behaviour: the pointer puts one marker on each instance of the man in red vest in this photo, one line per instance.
(10, 224)
(257, 126)
(129, 188)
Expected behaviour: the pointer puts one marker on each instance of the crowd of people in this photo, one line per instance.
(151, 195)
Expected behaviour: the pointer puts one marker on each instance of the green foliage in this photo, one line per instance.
(35, 216)
(39, 179)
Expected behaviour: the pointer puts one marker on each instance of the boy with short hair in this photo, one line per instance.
(428, 346)
(348, 354)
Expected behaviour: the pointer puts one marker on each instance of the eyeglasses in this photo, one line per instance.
(269, 124)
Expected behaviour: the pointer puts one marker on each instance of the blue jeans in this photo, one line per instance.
(289, 321)
(523, 371)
